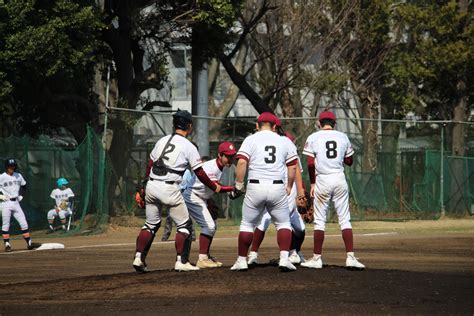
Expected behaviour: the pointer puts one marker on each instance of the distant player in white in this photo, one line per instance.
(12, 184)
(327, 151)
(197, 195)
(169, 159)
(63, 197)
(297, 224)
(270, 160)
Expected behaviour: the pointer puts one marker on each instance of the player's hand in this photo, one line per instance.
(311, 193)
(235, 194)
(288, 190)
(218, 188)
(240, 186)
(3, 197)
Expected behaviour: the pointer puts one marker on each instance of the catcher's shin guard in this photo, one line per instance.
(187, 229)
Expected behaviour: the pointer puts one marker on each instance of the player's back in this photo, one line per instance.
(267, 154)
(178, 155)
(329, 147)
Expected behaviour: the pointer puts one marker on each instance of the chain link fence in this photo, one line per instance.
(412, 172)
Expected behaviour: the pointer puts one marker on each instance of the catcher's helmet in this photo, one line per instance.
(10, 163)
(61, 181)
(182, 119)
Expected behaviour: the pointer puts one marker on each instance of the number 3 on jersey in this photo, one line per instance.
(331, 151)
(271, 150)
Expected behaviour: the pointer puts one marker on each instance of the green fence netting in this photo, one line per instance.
(42, 163)
(405, 184)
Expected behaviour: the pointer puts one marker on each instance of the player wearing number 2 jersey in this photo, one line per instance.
(327, 151)
(172, 155)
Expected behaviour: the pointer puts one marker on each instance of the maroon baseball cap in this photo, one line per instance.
(327, 115)
(278, 121)
(267, 117)
(227, 148)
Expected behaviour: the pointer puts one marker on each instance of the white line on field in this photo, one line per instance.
(222, 238)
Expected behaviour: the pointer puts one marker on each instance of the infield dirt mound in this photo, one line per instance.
(261, 290)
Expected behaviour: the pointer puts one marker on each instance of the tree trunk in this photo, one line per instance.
(369, 134)
(458, 201)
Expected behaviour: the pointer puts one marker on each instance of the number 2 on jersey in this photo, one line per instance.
(331, 151)
(271, 154)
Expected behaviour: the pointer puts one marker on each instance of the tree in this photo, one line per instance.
(46, 65)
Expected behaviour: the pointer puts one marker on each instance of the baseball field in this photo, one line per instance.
(416, 267)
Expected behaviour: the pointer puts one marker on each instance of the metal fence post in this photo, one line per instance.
(441, 177)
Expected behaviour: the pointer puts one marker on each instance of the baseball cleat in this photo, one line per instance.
(252, 258)
(33, 245)
(185, 267)
(206, 263)
(294, 258)
(313, 263)
(353, 264)
(140, 266)
(240, 265)
(286, 266)
(219, 264)
(8, 247)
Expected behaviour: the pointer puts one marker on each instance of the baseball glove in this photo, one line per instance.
(306, 210)
(63, 205)
(140, 194)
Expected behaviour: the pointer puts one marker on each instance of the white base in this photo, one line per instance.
(50, 246)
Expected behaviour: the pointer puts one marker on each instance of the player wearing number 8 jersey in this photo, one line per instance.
(269, 160)
(327, 151)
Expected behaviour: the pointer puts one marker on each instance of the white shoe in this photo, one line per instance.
(206, 263)
(353, 264)
(252, 258)
(240, 265)
(294, 258)
(140, 266)
(286, 266)
(313, 263)
(179, 266)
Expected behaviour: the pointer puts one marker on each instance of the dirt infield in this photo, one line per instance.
(424, 269)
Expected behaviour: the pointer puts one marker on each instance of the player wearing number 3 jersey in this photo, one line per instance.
(271, 172)
(327, 151)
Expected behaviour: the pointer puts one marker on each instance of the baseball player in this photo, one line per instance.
(327, 151)
(297, 224)
(63, 197)
(188, 180)
(270, 161)
(169, 159)
(197, 196)
(12, 187)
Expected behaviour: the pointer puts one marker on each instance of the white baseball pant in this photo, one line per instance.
(197, 208)
(9, 209)
(261, 196)
(327, 187)
(62, 214)
(159, 193)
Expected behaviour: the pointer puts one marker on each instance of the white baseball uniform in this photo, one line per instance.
(267, 154)
(10, 186)
(160, 190)
(329, 148)
(196, 197)
(58, 196)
